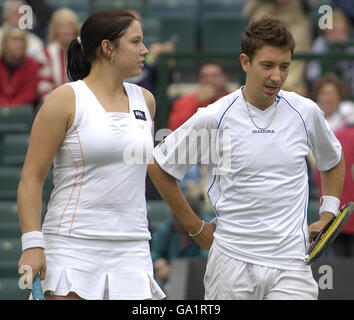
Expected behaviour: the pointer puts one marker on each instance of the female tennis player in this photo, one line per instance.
(94, 242)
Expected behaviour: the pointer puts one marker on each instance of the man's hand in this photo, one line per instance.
(317, 226)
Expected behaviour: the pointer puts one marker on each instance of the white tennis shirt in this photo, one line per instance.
(100, 169)
(257, 179)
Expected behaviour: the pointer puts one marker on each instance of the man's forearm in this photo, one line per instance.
(172, 194)
(332, 184)
(332, 181)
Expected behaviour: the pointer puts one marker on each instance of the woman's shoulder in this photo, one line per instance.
(64, 91)
(60, 100)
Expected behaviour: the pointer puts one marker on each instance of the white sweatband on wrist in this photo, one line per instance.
(33, 239)
(329, 204)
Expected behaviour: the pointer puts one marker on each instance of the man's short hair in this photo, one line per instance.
(268, 30)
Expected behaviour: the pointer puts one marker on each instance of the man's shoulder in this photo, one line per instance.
(222, 104)
(296, 101)
(217, 109)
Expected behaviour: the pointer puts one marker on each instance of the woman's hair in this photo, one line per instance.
(12, 33)
(63, 13)
(267, 30)
(107, 24)
(329, 78)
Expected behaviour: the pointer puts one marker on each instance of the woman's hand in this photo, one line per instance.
(31, 262)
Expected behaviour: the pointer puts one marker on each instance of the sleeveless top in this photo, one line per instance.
(99, 171)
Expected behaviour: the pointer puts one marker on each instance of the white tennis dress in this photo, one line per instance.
(258, 181)
(96, 227)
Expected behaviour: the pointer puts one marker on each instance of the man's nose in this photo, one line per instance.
(276, 75)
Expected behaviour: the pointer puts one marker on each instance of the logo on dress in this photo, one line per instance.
(139, 115)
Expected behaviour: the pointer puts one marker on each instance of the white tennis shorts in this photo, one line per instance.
(100, 269)
(230, 279)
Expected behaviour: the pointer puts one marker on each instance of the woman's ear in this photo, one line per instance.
(107, 48)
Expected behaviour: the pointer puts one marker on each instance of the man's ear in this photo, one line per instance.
(245, 62)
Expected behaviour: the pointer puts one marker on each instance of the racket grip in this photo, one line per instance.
(306, 259)
(37, 291)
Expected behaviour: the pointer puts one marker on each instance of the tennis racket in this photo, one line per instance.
(37, 291)
(329, 233)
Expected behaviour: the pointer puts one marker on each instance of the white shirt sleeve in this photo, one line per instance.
(325, 146)
(188, 145)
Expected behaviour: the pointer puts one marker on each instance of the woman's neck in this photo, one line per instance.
(103, 79)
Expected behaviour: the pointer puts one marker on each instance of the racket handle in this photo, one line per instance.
(37, 291)
(306, 259)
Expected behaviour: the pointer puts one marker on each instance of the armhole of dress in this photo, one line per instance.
(140, 90)
(76, 109)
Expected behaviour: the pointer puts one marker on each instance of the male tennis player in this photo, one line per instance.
(258, 182)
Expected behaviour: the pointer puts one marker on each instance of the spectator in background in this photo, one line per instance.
(347, 7)
(20, 75)
(148, 78)
(64, 26)
(294, 14)
(10, 18)
(211, 87)
(329, 92)
(171, 241)
(344, 244)
(339, 34)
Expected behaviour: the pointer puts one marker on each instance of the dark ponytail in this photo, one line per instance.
(78, 67)
(107, 24)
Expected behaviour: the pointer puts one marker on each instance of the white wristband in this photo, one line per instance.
(33, 239)
(329, 204)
